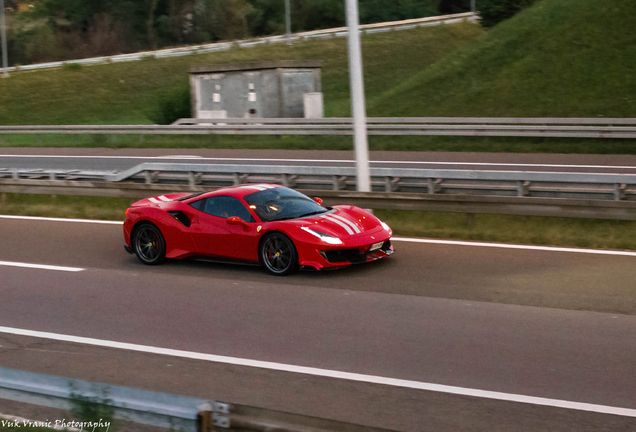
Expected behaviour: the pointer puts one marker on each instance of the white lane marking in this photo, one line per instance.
(323, 160)
(403, 239)
(342, 224)
(49, 219)
(40, 266)
(394, 382)
(514, 246)
(348, 222)
(176, 157)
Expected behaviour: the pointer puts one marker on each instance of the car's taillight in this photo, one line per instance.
(127, 210)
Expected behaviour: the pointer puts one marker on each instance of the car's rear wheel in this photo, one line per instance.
(148, 244)
(278, 254)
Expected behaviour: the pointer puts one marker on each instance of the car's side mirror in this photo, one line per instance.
(318, 200)
(235, 220)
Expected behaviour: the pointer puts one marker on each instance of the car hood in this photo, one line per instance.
(342, 222)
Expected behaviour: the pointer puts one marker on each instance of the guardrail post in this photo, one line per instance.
(195, 178)
(391, 184)
(203, 421)
(289, 180)
(339, 182)
(434, 185)
(239, 179)
(215, 416)
(523, 188)
(151, 177)
(619, 191)
(15, 175)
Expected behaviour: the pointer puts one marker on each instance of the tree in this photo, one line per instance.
(447, 7)
(495, 11)
(373, 11)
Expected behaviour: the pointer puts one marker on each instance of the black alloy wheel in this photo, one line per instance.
(149, 245)
(278, 254)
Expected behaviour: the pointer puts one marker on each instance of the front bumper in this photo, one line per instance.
(345, 257)
(355, 256)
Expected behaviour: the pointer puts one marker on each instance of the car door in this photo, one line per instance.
(214, 236)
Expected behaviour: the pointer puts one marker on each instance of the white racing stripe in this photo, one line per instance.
(154, 200)
(342, 224)
(163, 198)
(514, 246)
(40, 266)
(348, 222)
(372, 379)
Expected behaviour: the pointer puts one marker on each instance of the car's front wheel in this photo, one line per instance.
(148, 244)
(278, 254)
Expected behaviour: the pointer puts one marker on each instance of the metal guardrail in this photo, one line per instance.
(160, 409)
(561, 194)
(223, 46)
(504, 127)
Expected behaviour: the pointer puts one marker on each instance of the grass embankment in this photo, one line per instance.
(558, 58)
(588, 233)
(127, 93)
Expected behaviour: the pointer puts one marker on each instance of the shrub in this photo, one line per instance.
(172, 105)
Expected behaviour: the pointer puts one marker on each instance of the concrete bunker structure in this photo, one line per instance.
(283, 89)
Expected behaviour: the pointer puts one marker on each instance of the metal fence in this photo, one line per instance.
(621, 128)
(562, 194)
(223, 46)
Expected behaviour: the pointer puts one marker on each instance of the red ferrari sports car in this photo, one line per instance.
(271, 225)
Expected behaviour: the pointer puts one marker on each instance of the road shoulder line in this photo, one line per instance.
(394, 382)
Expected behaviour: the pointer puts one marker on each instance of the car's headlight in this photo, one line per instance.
(385, 226)
(324, 237)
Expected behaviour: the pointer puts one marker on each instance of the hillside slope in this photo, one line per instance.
(559, 58)
(127, 93)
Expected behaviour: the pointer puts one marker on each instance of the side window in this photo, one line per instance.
(223, 207)
(199, 205)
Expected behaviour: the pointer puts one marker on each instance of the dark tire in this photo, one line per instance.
(278, 254)
(148, 244)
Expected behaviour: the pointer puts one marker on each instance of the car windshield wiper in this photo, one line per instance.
(297, 217)
(313, 213)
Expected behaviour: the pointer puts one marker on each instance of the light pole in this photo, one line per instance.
(358, 107)
(288, 21)
(3, 31)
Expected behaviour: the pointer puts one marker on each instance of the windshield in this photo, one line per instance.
(282, 203)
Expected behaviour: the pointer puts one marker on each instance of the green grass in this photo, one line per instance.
(559, 58)
(64, 206)
(588, 233)
(127, 93)
(290, 142)
(533, 230)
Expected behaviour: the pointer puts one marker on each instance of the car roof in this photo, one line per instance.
(239, 191)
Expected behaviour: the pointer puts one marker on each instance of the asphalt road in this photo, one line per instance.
(534, 323)
(120, 159)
